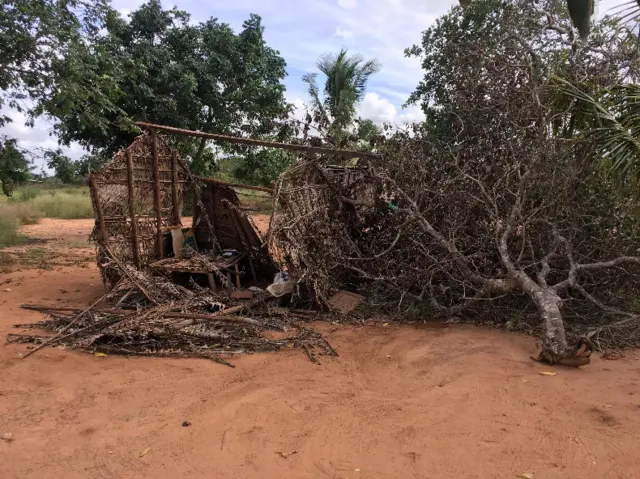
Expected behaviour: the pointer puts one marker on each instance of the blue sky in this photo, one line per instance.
(302, 30)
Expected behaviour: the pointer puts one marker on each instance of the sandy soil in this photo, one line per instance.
(399, 402)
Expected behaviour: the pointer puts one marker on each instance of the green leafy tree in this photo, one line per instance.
(34, 34)
(346, 77)
(368, 130)
(14, 165)
(159, 67)
(66, 170)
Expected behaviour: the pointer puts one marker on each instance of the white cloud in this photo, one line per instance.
(348, 4)
(343, 33)
(380, 110)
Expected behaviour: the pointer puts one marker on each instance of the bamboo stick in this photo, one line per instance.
(156, 191)
(251, 141)
(132, 211)
(174, 188)
(214, 317)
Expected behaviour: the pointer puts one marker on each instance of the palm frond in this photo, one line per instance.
(616, 137)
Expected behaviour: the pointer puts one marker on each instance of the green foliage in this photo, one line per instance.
(613, 130)
(346, 78)
(462, 29)
(34, 35)
(66, 170)
(162, 68)
(25, 194)
(263, 166)
(14, 166)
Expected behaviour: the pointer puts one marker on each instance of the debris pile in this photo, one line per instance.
(146, 314)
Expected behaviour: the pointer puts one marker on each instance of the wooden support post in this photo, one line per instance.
(212, 283)
(96, 199)
(253, 270)
(229, 285)
(174, 188)
(213, 192)
(237, 270)
(194, 206)
(132, 210)
(156, 191)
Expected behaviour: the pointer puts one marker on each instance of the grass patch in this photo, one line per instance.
(29, 204)
(26, 213)
(63, 205)
(66, 202)
(9, 224)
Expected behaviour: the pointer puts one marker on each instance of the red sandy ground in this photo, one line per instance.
(399, 402)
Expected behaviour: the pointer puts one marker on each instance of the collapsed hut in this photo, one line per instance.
(203, 288)
(138, 198)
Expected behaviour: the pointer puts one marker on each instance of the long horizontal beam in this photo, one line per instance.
(251, 141)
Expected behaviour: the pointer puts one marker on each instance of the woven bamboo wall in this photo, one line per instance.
(137, 198)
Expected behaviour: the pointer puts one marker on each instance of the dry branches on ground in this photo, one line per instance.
(171, 321)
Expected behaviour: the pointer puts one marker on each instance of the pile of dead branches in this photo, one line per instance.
(148, 315)
(490, 208)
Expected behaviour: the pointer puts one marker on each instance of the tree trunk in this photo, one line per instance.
(554, 339)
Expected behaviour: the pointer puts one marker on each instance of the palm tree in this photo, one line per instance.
(345, 85)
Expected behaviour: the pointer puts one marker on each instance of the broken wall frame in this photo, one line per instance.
(137, 198)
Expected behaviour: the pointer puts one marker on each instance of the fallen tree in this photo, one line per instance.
(490, 202)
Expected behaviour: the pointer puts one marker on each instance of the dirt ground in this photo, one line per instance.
(400, 402)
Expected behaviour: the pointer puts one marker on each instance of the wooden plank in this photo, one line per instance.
(251, 141)
(99, 213)
(174, 187)
(132, 211)
(156, 192)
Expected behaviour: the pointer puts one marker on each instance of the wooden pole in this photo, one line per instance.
(174, 188)
(213, 192)
(212, 282)
(132, 210)
(96, 199)
(156, 191)
(251, 141)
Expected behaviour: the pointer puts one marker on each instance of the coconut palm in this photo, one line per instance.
(344, 86)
